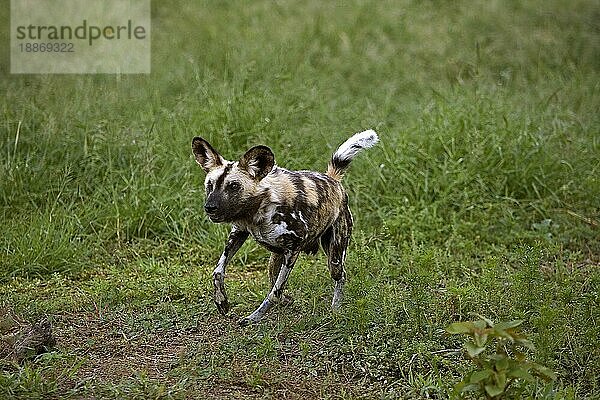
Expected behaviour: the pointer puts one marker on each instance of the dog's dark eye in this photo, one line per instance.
(209, 187)
(234, 186)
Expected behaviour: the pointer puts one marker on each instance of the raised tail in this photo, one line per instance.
(340, 160)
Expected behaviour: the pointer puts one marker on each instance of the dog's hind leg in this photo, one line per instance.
(234, 242)
(275, 295)
(335, 243)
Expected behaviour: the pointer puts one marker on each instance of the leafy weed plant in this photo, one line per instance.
(502, 365)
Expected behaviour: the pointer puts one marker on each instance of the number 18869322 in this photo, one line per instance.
(46, 47)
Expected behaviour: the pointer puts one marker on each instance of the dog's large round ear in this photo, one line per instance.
(207, 157)
(258, 162)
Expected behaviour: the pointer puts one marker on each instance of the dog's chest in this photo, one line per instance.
(281, 227)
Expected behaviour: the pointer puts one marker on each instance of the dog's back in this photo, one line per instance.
(299, 206)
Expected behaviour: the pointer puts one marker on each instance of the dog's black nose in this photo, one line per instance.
(210, 208)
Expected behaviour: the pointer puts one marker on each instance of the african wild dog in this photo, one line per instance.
(285, 211)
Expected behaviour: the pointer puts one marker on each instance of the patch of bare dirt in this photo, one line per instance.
(113, 354)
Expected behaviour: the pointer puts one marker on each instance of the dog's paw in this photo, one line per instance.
(221, 301)
(220, 295)
(223, 306)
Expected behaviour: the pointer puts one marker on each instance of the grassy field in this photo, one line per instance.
(483, 197)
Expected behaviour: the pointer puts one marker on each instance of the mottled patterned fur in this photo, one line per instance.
(287, 212)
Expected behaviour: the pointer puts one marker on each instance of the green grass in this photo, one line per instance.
(483, 197)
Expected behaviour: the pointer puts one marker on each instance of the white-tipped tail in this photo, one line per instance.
(348, 150)
(358, 142)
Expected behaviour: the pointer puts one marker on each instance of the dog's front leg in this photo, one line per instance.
(234, 242)
(274, 296)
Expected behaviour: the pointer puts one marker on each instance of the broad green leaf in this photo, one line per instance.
(470, 388)
(480, 339)
(493, 390)
(460, 327)
(460, 385)
(479, 376)
(520, 373)
(488, 321)
(520, 357)
(502, 364)
(509, 324)
(465, 386)
(545, 373)
(473, 349)
(480, 324)
(504, 334)
(501, 380)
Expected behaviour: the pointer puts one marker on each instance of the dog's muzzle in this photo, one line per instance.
(212, 212)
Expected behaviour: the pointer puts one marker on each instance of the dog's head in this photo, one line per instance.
(232, 186)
